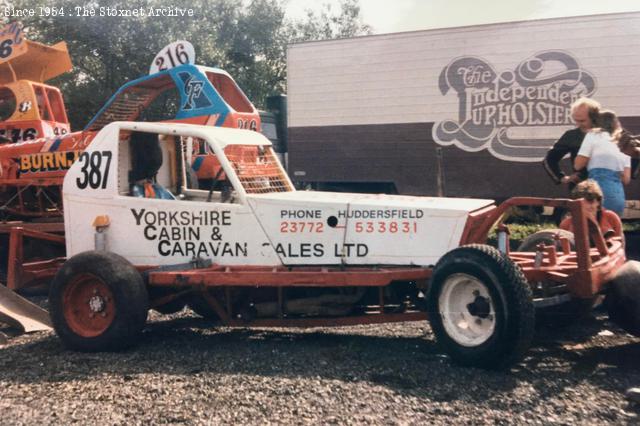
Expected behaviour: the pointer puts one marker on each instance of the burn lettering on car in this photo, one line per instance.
(48, 161)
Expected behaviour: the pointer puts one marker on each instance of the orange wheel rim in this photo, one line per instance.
(88, 305)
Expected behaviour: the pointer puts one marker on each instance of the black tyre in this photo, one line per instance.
(98, 302)
(480, 307)
(567, 313)
(623, 298)
(530, 243)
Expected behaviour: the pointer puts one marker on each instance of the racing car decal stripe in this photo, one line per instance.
(197, 163)
(197, 95)
(55, 145)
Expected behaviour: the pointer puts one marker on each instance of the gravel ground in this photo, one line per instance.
(187, 373)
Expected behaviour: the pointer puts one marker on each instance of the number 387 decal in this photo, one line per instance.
(95, 169)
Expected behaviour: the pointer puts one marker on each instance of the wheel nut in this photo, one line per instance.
(479, 321)
(97, 304)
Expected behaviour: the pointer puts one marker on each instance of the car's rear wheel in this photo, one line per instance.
(480, 307)
(98, 302)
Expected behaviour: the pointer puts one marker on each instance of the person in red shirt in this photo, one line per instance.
(609, 222)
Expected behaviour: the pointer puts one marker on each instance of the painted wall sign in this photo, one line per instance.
(503, 112)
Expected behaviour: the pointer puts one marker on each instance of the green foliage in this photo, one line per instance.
(246, 38)
(520, 231)
(631, 226)
(327, 25)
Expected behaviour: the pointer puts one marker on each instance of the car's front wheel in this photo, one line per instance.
(480, 307)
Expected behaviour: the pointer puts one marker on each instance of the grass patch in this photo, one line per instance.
(523, 221)
(631, 225)
(520, 231)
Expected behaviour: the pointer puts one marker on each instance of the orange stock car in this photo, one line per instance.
(38, 147)
(32, 170)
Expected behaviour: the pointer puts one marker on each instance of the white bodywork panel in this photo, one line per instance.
(369, 229)
(291, 228)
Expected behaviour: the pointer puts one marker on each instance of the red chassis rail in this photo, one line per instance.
(23, 272)
(280, 278)
(584, 271)
(34, 198)
(252, 276)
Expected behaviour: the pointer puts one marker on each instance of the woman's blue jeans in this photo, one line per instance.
(612, 188)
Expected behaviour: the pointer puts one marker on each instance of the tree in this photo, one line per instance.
(327, 25)
(247, 39)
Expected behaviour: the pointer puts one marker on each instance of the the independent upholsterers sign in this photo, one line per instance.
(516, 114)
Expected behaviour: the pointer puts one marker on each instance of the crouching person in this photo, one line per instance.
(609, 222)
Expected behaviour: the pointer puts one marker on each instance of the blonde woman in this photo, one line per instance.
(602, 158)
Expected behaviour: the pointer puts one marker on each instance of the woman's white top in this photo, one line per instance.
(603, 153)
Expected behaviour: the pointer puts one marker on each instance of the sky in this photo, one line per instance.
(387, 16)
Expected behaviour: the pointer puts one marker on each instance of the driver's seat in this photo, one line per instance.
(147, 160)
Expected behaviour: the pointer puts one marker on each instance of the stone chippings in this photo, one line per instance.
(186, 372)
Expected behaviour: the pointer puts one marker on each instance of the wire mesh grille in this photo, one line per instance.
(258, 169)
(124, 108)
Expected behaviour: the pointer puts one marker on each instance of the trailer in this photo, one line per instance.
(461, 112)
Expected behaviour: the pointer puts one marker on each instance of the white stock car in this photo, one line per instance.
(246, 248)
